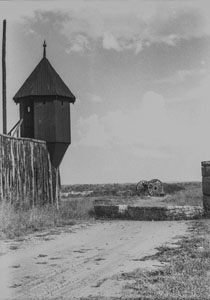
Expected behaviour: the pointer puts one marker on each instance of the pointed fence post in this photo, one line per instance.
(4, 96)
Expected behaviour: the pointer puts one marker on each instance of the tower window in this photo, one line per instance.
(29, 109)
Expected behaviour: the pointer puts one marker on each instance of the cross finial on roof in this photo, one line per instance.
(44, 52)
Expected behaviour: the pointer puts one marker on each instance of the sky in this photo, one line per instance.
(140, 74)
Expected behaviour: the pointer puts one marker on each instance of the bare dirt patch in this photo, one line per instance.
(86, 262)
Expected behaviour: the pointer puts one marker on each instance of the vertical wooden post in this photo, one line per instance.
(57, 188)
(4, 96)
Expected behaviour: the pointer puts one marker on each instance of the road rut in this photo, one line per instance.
(84, 261)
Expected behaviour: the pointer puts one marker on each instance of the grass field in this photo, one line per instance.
(119, 189)
(191, 195)
(76, 208)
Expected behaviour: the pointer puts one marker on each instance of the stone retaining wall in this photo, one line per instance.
(148, 213)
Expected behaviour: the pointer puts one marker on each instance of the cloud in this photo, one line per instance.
(183, 75)
(180, 21)
(170, 39)
(146, 126)
(132, 31)
(139, 47)
(92, 133)
(110, 42)
(155, 128)
(121, 25)
(96, 99)
(78, 44)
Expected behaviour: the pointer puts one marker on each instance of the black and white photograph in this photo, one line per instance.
(105, 150)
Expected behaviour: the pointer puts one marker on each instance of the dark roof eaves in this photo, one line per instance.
(71, 99)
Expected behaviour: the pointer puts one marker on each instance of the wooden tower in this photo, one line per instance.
(45, 109)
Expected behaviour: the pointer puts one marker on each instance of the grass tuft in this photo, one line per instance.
(187, 271)
(190, 196)
(21, 221)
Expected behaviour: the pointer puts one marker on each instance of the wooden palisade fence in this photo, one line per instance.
(27, 177)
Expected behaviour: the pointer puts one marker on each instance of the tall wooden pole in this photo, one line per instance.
(4, 95)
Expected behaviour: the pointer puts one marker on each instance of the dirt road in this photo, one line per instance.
(83, 261)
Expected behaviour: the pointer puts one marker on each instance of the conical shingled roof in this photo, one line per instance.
(44, 81)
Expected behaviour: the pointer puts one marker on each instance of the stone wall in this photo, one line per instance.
(148, 213)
